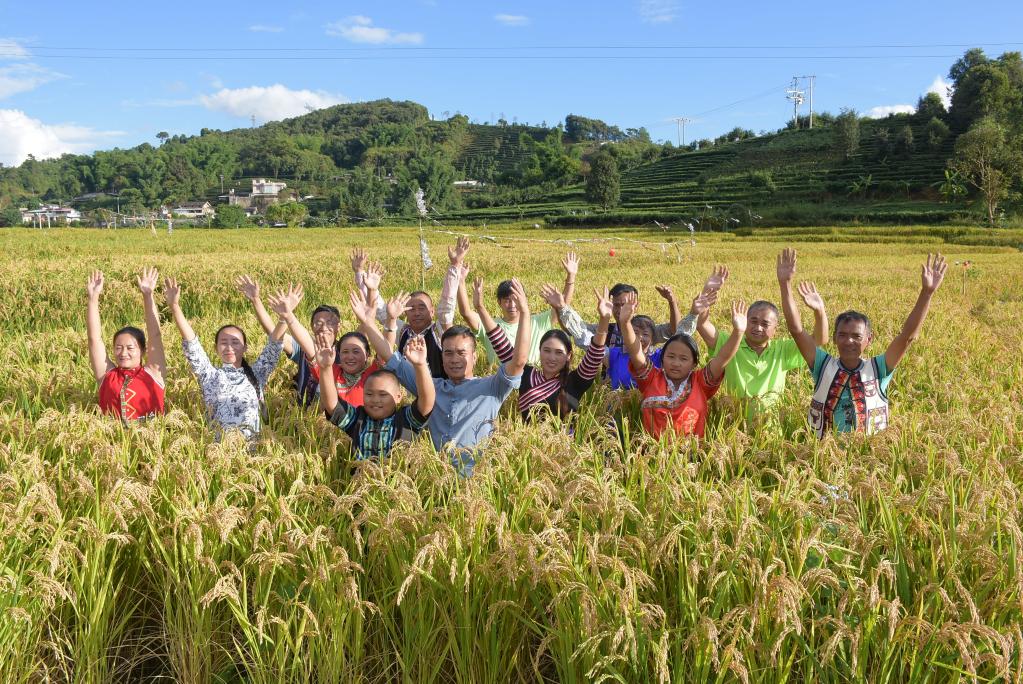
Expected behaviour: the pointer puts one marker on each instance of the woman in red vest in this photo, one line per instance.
(130, 383)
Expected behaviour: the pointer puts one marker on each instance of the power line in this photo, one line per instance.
(368, 58)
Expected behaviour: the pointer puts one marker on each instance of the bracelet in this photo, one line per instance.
(386, 329)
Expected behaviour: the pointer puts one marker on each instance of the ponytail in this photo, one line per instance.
(251, 375)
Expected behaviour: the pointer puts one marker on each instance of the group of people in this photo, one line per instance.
(408, 341)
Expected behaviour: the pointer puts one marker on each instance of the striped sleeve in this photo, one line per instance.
(413, 418)
(590, 365)
(503, 349)
(344, 415)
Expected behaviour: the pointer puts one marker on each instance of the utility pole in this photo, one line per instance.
(681, 122)
(796, 95)
(812, 79)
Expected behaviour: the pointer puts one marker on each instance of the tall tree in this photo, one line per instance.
(603, 186)
(847, 132)
(988, 162)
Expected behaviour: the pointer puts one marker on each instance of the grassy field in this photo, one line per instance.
(154, 554)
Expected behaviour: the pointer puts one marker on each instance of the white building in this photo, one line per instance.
(193, 210)
(262, 186)
(51, 214)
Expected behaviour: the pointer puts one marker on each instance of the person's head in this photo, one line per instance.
(505, 300)
(680, 357)
(645, 330)
(458, 351)
(326, 319)
(231, 345)
(381, 394)
(420, 311)
(852, 336)
(761, 323)
(555, 352)
(617, 294)
(129, 347)
(354, 352)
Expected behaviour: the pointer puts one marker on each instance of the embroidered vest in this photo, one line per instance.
(865, 388)
(130, 394)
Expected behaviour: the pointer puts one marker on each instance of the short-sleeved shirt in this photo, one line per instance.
(680, 408)
(844, 417)
(463, 413)
(373, 438)
(539, 324)
(759, 377)
(618, 367)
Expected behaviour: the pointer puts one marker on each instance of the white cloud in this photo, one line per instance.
(942, 87)
(268, 103)
(12, 49)
(512, 19)
(658, 11)
(360, 29)
(19, 75)
(884, 110)
(265, 28)
(21, 135)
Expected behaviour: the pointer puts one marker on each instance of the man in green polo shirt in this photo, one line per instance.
(756, 376)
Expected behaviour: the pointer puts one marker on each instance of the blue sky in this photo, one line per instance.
(83, 76)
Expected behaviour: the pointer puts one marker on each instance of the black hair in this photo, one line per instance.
(325, 308)
(458, 331)
(647, 322)
(504, 289)
(421, 293)
(249, 373)
(622, 288)
(686, 340)
(560, 335)
(764, 304)
(139, 336)
(853, 316)
(381, 372)
(355, 334)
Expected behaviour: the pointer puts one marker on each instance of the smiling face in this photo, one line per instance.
(325, 322)
(420, 312)
(644, 332)
(231, 346)
(354, 356)
(852, 337)
(554, 356)
(509, 309)
(459, 356)
(761, 326)
(381, 395)
(127, 351)
(677, 361)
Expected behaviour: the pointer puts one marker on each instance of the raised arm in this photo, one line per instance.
(97, 350)
(364, 314)
(812, 298)
(571, 265)
(716, 366)
(445, 315)
(371, 279)
(284, 304)
(486, 320)
(522, 338)
(786, 271)
(328, 390)
(631, 343)
(172, 291)
(426, 392)
(674, 315)
(396, 306)
(249, 287)
(701, 309)
(155, 355)
(472, 319)
(932, 273)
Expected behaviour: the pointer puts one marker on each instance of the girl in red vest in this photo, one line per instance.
(131, 383)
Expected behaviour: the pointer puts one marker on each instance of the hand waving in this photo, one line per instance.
(739, 315)
(363, 311)
(248, 286)
(811, 297)
(552, 296)
(932, 273)
(665, 291)
(571, 264)
(374, 272)
(325, 353)
(717, 278)
(519, 294)
(397, 305)
(703, 301)
(285, 302)
(358, 259)
(604, 304)
(786, 265)
(94, 285)
(415, 350)
(172, 291)
(456, 254)
(148, 281)
(628, 308)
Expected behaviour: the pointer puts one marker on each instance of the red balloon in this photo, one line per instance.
(612, 252)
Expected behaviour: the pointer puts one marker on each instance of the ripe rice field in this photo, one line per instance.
(155, 554)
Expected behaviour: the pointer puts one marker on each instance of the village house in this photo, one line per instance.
(51, 214)
(264, 193)
(193, 210)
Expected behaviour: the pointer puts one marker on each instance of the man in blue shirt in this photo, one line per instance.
(465, 407)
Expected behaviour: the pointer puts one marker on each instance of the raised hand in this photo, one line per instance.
(811, 297)
(248, 286)
(363, 311)
(172, 291)
(665, 291)
(358, 259)
(456, 254)
(94, 285)
(604, 304)
(703, 301)
(519, 293)
(932, 273)
(397, 305)
(786, 265)
(571, 264)
(415, 350)
(628, 308)
(477, 293)
(552, 296)
(148, 281)
(739, 316)
(374, 272)
(717, 278)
